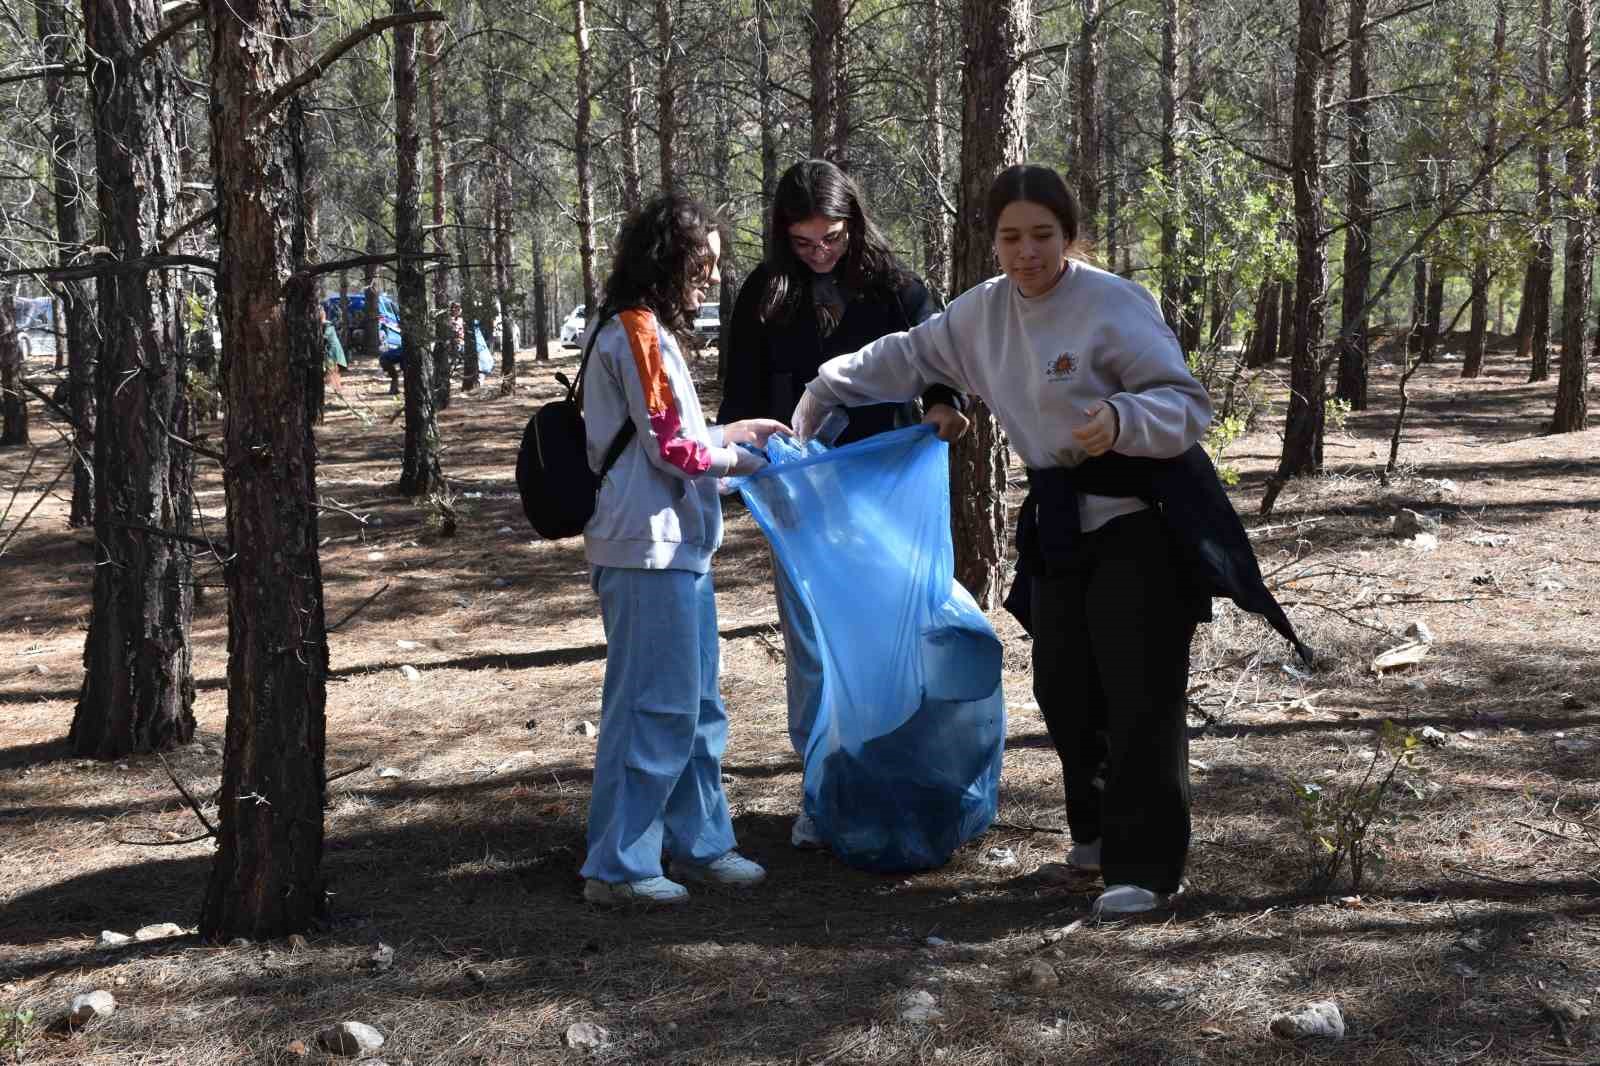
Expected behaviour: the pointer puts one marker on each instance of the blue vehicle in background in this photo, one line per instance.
(391, 345)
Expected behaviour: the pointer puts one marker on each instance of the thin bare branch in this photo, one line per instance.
(343, 45)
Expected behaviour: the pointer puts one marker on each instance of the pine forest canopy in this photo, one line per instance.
(738, 78)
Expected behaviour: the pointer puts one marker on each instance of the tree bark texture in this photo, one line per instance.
(1171, 173)
(266, 877)
(1533, 333)
(13, 399)
(74, 299)
(419, 469)
(1477, 331)
(936, 220)
(994, 135)
(1086, 167)
(138, 692)
(1353, 348)
(1302, 439)
(632, 195)
(766, 94)
(581, 147)
(666, 94)
(1572, 403)
(829, 97)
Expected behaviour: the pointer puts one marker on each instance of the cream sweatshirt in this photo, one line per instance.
(1039, 363)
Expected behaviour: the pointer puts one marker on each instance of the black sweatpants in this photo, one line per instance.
(1110, 672)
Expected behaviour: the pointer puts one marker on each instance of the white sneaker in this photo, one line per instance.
(649, 890)
(1119, 900)
(732, 870)
(804, 835)
(1085, 857)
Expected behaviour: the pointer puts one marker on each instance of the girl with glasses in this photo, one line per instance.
(830, 286)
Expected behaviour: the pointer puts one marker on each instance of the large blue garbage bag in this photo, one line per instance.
(903, 764)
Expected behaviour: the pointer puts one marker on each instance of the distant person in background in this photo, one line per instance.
(657, 522)
(333, 358)
(830, 286)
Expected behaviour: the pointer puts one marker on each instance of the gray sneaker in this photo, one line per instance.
(731, 870)
(1119, 901)
(650, 890)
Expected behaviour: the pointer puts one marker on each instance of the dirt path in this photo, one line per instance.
(1483, 930)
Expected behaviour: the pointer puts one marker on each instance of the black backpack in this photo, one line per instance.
(553, 477)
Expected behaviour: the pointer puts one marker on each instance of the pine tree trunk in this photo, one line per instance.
(419, 470)
(936, 220)
(137, 692)
(76, 306)
(266, 878)
(1086, 168)
(13, 400)
(631, 194)
(994, 135)
(1572, 404)
(666, 94)
(1353, 349)
(1302, 439)
(1421, 272)
(581, 148)
(1171, 172)
(442, 346)
(541, 299)
(1477, 336)
(1541, 268)
(769, 130)
(827, 102)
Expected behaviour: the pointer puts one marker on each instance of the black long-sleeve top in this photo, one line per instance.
(769, 364)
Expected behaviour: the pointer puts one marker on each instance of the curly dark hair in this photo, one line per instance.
(660, 252)
(818, 187)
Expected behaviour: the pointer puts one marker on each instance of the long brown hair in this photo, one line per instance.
(661, 251)
(817, 187)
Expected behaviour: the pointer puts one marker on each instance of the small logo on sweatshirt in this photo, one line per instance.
(1061, 367)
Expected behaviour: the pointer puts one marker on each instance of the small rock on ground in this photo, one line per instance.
(350, 1038)
(586, 1035)
(586, 729)
(158, 931)
(411, 673)
(381, 958)
(1408, 523)
(1038, 975)
(919, 1008)
(91, 1005)
(109, 939)
(1320, 1019)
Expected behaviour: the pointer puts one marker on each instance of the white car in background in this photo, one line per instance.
(572, 329)
(708, 321)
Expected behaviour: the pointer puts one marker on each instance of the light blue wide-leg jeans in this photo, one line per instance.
(663, 729)
(802, 661)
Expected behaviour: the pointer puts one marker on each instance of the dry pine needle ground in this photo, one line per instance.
(1480, 943)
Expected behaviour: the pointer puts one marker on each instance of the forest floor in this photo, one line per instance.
(1479, 942)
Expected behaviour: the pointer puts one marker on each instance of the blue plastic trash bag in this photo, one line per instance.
(903, 763)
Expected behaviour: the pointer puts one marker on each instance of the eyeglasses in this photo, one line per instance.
(828, 243)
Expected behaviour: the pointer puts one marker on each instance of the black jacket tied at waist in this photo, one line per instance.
(1215, 551)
